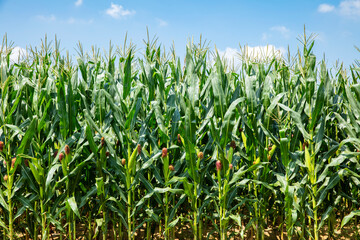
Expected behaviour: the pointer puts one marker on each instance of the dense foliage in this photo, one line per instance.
(111, 145)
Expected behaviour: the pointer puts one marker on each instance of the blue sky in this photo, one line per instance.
(225, 24)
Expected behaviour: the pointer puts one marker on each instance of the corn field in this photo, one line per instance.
(137, 144)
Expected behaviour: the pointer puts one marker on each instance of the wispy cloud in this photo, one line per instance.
(276, 31)
(284, 31)
(72, 20)
(347, 8)
(350, 8)
(117, 11)
(324, 8)
(162, 23)
(78, 3)
(265, 36)
(50, 18)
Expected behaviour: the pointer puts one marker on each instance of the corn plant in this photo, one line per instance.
(129, 144)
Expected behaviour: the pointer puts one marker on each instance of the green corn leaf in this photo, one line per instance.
(132, 163)
(228, 123)
(50, 175)
(90, 138)
(348, 217)
(241, 172)
(100, 185)
(35, 172)
(334, 180)
(72, 203)
(2, 200)
(250, 93)
(127, 76)
(25, 142)
(219, 97)
(297, 119)
(3, 225)
(159, 116)
(14, 106)
(326, 215)
(318, 105)
(284, 142)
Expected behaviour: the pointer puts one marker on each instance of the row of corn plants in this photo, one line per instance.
(130, 143)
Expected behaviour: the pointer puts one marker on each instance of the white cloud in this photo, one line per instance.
(261, 53)
(72, 20)
(265, 36)
(234, 56)
(284, 31)
(50, 18)
(117, 11)
(78, 3)
(324, 8)
(161, 22)
(231, 56)
(348, 8)
(17, 53)
(276, 31)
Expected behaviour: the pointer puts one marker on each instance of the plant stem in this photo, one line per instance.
(9, 191)
(43, 227)
(195, 213)
(222, 235)
(89, 226)
(35, 223)
(316, 235)
(256, 215)
(148, 226)
(200, 224)
(68, 213)
(129, 210)
(11, 218)
(74, 223)
(166, 216)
